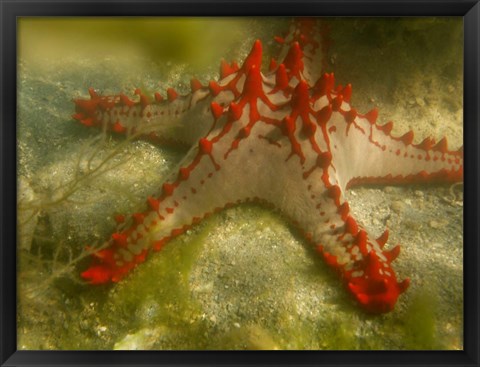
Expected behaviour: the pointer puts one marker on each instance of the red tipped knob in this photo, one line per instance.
(195, 85)
(392, 254)
(153, 203)
(158, 97)
(426, 144)
(351, 226)
(337, 103)
(234, 111)
(441, 146)
(293, 60)
(347, 93)
(350, 115)
(273, 64)
(382, 240)
(92, 93)
(215, 89)
(172, 94)
(217, 110)
(372, 115)
(205, 146)
(387, 128)
(168, 189)
(402, 287)
(281, 77)
(254, 58)
(407, 138)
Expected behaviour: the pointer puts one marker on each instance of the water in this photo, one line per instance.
(243, 279)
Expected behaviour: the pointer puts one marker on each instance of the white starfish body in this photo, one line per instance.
(287, 138)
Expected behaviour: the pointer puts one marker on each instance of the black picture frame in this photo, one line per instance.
(10, 10)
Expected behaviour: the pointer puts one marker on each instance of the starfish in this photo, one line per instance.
(287, 138)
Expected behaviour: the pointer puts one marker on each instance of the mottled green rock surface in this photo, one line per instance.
(243, 279)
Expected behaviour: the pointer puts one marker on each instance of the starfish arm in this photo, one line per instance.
(304, 49)
(359, 259)
(195, 190)
(181, 119)
(177, 119)
(363, 266)
(371, 155)
(382, 158)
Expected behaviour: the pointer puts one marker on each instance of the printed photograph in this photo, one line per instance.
(254, 183)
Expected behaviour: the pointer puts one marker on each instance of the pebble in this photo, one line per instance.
(389, 189)
(397, 206)
(420, 101)
(419, 193)
(437, 224)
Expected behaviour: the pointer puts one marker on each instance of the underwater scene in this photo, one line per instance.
(237, 184)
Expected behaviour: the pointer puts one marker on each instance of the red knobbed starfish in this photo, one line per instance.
(288, 138)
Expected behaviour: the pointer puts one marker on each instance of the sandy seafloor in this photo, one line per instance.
(243, 279)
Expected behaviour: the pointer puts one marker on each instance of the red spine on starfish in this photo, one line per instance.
(284, 138)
